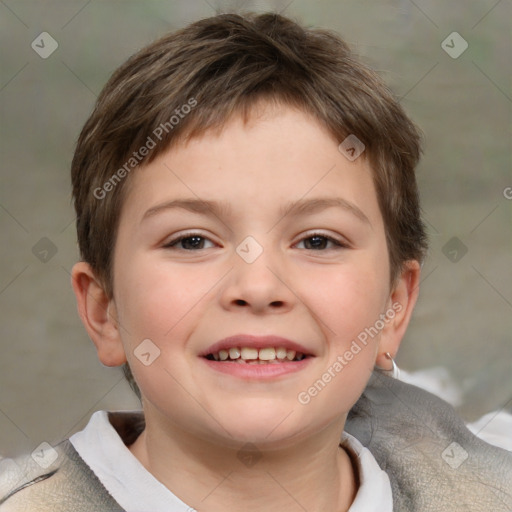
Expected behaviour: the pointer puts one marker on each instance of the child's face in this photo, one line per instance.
(305, 288)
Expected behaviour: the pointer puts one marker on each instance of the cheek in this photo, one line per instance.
(160, 302)
(347, 303)
(346, 300)
(157, 296)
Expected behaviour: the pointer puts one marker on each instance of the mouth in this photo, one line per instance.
(249, 356)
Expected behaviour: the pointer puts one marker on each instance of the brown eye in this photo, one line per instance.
(188, 243)
(318, 242)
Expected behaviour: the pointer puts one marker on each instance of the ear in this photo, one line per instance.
(401, 304)
(98, 314)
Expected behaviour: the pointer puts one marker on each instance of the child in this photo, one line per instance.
(251, 242)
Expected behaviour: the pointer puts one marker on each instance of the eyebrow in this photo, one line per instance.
(204, 207)
(308, 206)
(223, 209)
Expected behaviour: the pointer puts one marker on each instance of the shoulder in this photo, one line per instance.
(53, 479)
(433, 461)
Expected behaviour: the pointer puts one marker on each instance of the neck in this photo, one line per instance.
(314, 474)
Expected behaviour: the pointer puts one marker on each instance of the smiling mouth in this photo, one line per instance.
(251, 355)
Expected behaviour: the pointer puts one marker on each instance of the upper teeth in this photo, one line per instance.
(251, 353)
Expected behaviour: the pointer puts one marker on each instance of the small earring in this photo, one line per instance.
(394, 371)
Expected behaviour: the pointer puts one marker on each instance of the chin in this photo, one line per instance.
(264, 425)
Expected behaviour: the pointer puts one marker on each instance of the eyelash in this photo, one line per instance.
(337, 243)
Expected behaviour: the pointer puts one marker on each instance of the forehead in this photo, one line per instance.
(279, 155)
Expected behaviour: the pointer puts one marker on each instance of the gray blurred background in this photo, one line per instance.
(50, 378)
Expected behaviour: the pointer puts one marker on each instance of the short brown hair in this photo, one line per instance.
(223, 66)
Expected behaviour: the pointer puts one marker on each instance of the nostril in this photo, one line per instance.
(273, 304)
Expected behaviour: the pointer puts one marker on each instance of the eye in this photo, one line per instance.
(189, 242)
(320, 242)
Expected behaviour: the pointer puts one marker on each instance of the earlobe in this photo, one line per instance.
(402, 300)
(98, 315)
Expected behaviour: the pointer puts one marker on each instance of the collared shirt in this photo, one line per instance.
(137, 490)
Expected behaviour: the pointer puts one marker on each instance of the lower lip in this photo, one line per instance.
(258, 371)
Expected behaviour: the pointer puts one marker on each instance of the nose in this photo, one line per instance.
(260, 286)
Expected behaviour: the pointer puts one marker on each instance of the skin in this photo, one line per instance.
(309, 290)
